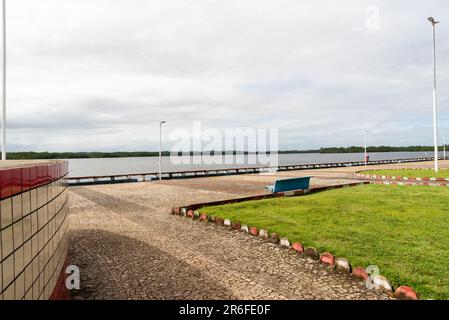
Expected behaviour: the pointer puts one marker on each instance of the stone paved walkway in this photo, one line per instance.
(128, 246)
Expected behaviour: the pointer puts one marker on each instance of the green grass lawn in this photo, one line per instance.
(410, 173)
(402, 229)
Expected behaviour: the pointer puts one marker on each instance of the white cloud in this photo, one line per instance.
(100, 74)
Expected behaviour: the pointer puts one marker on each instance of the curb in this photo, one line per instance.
(399, 180)
(338, 264)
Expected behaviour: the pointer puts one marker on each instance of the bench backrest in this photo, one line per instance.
(291, 184)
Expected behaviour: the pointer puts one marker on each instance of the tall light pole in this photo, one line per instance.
(4, 83)
(366, 153)
(435, 122)
(160, 148)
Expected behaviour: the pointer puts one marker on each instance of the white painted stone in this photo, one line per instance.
(284, 243)
(263, 233)
(227, 223)
(342, 264)
(244, 228)
(183, 211)
(382, 283)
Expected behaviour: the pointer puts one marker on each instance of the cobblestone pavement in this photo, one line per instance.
(128, 246)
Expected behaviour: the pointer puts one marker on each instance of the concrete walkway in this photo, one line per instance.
(128, 246)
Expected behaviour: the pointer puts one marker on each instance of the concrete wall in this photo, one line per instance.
(33, 228)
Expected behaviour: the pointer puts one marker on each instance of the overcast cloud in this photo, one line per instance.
(100, 74)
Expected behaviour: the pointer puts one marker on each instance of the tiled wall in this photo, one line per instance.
(33, 241)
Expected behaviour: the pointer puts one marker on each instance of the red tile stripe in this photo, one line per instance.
(14, 181)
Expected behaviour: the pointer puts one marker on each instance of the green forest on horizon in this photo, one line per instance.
(30, 155)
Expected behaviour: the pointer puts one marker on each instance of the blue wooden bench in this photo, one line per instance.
(290, 185)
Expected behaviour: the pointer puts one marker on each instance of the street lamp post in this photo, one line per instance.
(366, 153)
(435, 121)
(160, 148)
(4, 83)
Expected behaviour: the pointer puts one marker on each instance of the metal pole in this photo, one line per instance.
(364, 139)
(4, 84)
(160, 149)
(435, 109)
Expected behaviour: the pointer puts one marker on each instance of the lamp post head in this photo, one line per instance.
(162, 122)
(433, 21)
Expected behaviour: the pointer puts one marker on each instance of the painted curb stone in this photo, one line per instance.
(196, 215)
(211, 219)
(219, 221)
(274, 238)
(360, 273)
(298, 247)
(263, 234)
(236, 225)
(244, 228)
(253, 231)
(406, 293)
(203, 217)
(343, 265)
(312, 253)
(382, 283)
(227, 223)
(175, 211)
(284, 243)
(189, 214)
(183, 212)
(327, 258)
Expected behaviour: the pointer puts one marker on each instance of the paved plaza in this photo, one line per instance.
(128, 246)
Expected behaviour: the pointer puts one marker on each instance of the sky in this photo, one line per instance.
(99, 75)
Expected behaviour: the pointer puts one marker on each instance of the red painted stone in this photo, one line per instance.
(175, 211)
(203, 217)
(189, 214)
(440, 179)
(360, 273)
(219, 221)
(298, 247)
(399, 178)
(253, 231)
(236, 225)
(426, 179)
(327, 258)
(406, 293)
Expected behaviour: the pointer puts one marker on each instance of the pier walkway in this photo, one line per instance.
(128, 246)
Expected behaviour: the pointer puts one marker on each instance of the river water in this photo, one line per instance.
(115, 166)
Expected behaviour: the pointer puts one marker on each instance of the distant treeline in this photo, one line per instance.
(120, 154)
(355, 149)
(134, 154)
